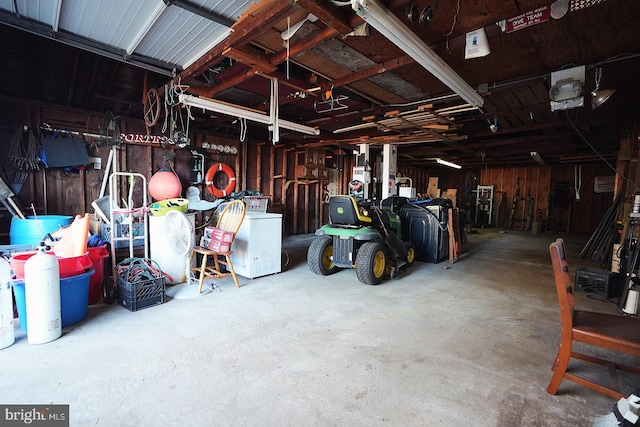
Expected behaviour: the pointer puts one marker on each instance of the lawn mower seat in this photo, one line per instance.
(343, 210)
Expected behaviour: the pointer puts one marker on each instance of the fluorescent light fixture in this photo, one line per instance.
(446, 163)
(237, 111)
(392, 28)
(537, 158)
(274, 111)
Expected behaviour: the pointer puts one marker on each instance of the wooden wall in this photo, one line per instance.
(258, 165)
(582, 215)
(274, 171)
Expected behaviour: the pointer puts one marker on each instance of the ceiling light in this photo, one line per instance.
(237, 111)
(599, 97)
(493, 127)
(427, 14)
(393, 29)
(535, 156)
(446, 163)
(411, 11)
(566, 88)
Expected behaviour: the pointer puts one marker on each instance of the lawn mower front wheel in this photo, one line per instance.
(371, 263)
(320, 256)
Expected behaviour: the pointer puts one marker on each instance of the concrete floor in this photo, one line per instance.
(465, 344)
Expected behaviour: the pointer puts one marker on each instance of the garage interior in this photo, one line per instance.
(520, 117)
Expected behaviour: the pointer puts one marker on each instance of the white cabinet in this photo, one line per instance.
(257, 246)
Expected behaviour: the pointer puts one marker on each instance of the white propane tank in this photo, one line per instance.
(42, 298)
(7, 333)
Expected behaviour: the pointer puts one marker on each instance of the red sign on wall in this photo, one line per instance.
(528, 19)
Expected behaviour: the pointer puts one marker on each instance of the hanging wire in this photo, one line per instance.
(577, 180)
(288, 43)
(172, 94)
(453, 25)
(166, 108)
(600, 155)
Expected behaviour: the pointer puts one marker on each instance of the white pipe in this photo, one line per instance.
(237, 111)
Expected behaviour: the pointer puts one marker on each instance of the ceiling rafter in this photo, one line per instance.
(243, 31)
(329, 14)
(201, 11)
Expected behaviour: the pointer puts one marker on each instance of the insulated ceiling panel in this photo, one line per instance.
(181, 37)
(175, 32)
(41, 11)
(114, 23)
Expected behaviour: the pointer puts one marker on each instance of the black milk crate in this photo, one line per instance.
(596, 282)
(135, 291)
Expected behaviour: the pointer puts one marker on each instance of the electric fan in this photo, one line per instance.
(180, 242)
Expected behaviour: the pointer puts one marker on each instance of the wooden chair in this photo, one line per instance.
(229, 220)
(609, 331)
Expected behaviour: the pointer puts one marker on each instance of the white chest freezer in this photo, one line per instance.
(257, 246)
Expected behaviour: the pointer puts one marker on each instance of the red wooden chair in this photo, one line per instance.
(609, 331)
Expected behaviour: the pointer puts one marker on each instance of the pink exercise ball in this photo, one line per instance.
(164, 184)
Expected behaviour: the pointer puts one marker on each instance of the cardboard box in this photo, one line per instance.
(218, 246)
(215, 233)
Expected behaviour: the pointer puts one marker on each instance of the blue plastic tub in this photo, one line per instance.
(32, 230)
(74, 294)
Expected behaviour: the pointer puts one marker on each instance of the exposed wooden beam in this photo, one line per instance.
(521, 129)
(329, 14)
(537, 108)
(252, 59)
(526, 143)
(374, 70)
(244, 31)
(442, 48)
(226, 84)
(326, 33)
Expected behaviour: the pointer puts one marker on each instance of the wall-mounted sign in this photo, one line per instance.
(133, 138)
(604, 184)
(527, 19)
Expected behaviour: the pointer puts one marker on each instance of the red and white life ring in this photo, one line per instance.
(231, 180)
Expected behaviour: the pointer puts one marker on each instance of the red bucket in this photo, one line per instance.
(69, 266)
(97, 255)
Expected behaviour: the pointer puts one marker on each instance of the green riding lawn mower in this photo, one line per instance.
(363, 236)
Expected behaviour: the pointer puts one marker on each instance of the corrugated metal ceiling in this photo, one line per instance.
(172, 34)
